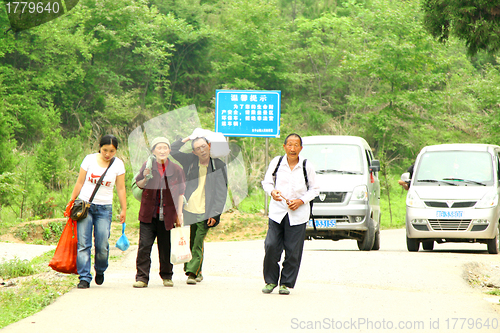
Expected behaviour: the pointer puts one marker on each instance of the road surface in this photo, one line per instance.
(339, 289)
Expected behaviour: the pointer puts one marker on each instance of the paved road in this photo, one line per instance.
(20, 251)
(339, 289)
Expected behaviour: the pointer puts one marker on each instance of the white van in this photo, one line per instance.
(348, 205)
(453, 196)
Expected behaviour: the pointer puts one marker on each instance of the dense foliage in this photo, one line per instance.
(476, 22)
(355, 67)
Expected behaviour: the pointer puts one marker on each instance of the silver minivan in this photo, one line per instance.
(453, 196)
(348, 205)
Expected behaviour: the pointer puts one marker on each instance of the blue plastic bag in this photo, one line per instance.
(123, 243)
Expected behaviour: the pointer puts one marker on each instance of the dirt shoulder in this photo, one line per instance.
(486, 278)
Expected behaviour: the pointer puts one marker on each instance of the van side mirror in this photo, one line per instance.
(375, 166)
(406, 177)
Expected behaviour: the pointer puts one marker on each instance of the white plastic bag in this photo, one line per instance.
(179, 240)
(220, 147)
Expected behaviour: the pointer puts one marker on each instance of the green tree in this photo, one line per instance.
(50, 154)
(7, 143)
(251, 47)
(190, 62)
(126, 54)
(36, 65)
(400, 78)
(475, 22)
(75, 62)
(310, 9)
(10, 189)
(323, 44)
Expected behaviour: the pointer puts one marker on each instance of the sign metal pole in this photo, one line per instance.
(267, 164)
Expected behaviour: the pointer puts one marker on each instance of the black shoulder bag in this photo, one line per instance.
(81, 207)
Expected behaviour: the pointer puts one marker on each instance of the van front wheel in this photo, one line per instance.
(366, 244)
(428, 245)
(376, 242)
(412, 244)
(493, 244)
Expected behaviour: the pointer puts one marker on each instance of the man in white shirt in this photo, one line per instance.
(289, 211)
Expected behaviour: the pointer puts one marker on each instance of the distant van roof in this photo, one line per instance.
(461, 146)
(336, 139)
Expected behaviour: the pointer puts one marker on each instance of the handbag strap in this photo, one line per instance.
(99, 182)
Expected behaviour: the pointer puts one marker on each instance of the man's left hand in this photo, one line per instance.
(295, 203)
(404, 184)
(211, 222)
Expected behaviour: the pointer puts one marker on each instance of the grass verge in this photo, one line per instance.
(29, 286)
(393, 205)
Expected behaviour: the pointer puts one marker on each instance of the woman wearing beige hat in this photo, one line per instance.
(161, 208)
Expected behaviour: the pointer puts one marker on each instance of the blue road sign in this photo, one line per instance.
(248, 112)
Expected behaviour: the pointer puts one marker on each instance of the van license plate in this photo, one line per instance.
(448, 214)
(322, 223)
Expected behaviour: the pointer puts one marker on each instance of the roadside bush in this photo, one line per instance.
(253, 203)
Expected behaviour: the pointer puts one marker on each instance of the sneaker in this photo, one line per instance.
(168, 283)
(284, 290)
(199, 278)
(99, 278)
(83, 284)
(268, 288)
(140, 284)
(191, 279)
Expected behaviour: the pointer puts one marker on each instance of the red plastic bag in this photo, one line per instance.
(64, 259)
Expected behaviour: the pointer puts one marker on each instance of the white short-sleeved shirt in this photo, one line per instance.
(104, 195)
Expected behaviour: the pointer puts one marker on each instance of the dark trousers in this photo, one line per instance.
(148, 233)
(282, 236)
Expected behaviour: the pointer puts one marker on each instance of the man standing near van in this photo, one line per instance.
(206, 192)
(404, 184)
(289, 211)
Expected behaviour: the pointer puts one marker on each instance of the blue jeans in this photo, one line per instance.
(98, 219)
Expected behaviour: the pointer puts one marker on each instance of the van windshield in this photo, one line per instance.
(471, 168)
(334, 158)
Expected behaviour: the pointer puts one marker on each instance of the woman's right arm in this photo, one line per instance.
(141, 179)
(79, 184)
(142, 183)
